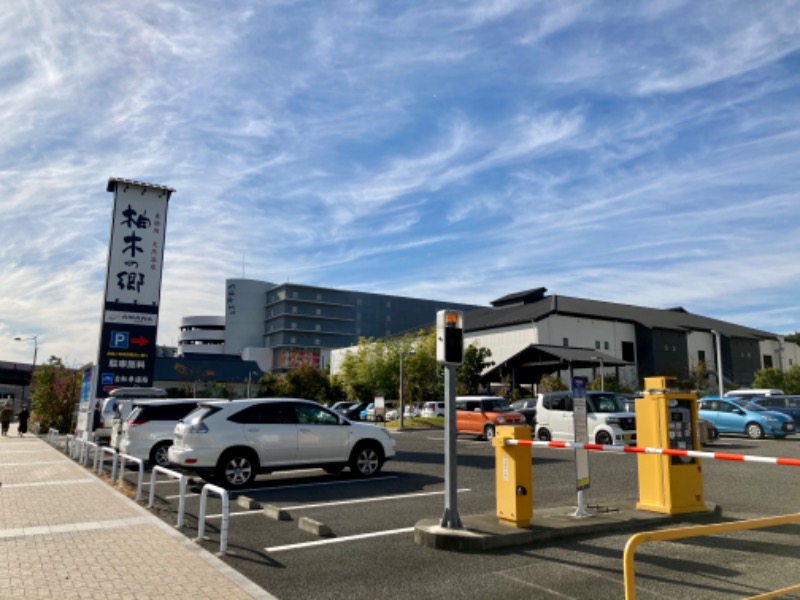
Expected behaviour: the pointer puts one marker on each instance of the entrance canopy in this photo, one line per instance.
(529, 365)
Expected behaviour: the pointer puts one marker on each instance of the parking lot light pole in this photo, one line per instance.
(35, 339)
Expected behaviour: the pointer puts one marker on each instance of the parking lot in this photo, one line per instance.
(372, 553)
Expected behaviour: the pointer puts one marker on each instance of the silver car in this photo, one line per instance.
(232, 441)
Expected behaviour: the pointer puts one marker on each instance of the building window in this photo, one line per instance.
(294, 309)
(605, 345)
(701, 356)
(566, 341)
(293, 340)
(294, 294)
(790, 362)
(294, 325)
(316, 341)
(388, 304)
(597, 345)
(319, 311)
(318, 327)
(767, 361)
(388, 318)
(319, 296)
(666, 347)
(627, 352)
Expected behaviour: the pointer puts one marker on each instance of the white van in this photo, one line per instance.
(607, 421)
(754, 393)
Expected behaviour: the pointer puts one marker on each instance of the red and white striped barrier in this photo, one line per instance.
(790, 462)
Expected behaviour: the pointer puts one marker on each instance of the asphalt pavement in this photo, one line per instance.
(308, 534)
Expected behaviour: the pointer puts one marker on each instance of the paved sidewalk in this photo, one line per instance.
(65, 533)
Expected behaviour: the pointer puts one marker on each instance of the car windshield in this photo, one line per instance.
(499, 405)
(752, 407)
(605, 403)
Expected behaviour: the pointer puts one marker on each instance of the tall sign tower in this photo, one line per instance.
(133, 285)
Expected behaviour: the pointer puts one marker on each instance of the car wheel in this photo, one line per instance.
(236, 469)
(603, 438)
(488, 432)
(544, 435)
(754, 431)
(159, 454)
(366, 460)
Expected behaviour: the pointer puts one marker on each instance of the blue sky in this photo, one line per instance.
(635, 152)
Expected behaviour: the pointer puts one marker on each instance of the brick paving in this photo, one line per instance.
(67, 534)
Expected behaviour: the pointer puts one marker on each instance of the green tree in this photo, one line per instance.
(791, 380)
(476, 361)
(769, 378)
(307, 382)
(272, 386)
(55, 391)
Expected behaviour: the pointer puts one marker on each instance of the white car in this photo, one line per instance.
(607, 421)
(147, 432)
(433, 409)
(232, 441)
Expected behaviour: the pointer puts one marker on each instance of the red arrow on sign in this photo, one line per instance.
(140, 341)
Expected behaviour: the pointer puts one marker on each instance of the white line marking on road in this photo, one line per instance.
(340, 503)
(350, 538)
(300, 485)
(362, 500)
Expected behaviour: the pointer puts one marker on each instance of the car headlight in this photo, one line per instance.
(612, 420)
(771, 420)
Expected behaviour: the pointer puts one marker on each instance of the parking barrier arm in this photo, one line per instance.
(789, 462)
(182, 499)
(201, 525)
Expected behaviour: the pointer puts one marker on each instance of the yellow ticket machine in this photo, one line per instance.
(668, 419)
(513, 476)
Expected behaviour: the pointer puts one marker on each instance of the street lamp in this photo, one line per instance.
(602, 370)
(35, 339)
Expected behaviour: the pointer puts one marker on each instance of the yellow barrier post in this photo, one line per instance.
(513, 476)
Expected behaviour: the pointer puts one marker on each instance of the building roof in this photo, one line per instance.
(534, 305)
(536, 360)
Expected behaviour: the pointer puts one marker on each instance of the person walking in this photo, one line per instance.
(5, 418)
(22, 420)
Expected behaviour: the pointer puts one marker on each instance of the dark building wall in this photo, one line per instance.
(744, 359)
(662, 352)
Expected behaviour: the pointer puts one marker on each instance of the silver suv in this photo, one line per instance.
(232, 441)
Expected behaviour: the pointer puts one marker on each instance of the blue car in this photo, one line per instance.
(788, 405)
(729, 416)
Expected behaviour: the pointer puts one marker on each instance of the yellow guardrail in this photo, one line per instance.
(696, 531)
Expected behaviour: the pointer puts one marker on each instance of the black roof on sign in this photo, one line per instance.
(533, 305)
(113, 181)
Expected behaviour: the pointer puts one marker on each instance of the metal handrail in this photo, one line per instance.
(694, 531)
(99, 465)
(201, 524)
(175, 475)
(123, 458)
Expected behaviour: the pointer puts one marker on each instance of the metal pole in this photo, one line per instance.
(401, 389)
(450, 519)
(718, 338)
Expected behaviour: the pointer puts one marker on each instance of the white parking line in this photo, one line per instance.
(340, 540)
(299, 485)
(341, 503)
